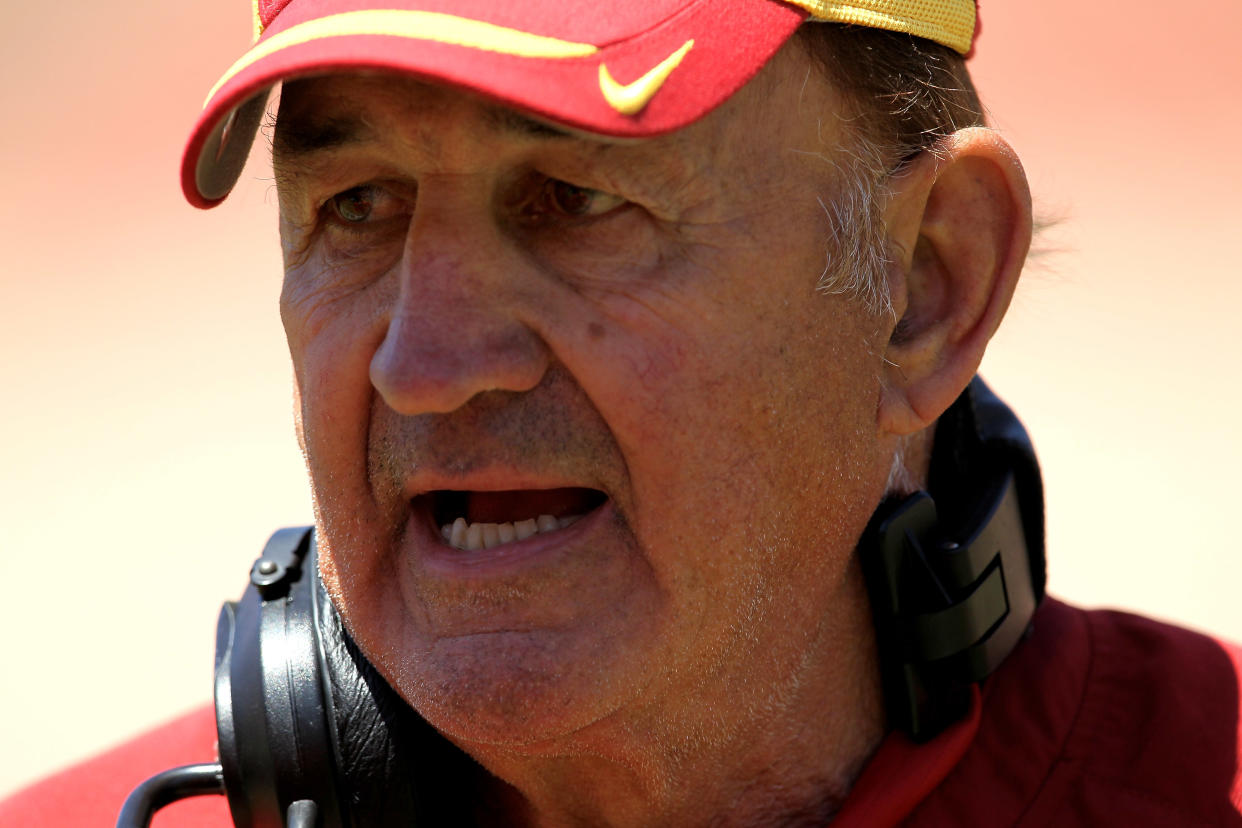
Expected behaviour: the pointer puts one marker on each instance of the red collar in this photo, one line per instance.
(902, 773)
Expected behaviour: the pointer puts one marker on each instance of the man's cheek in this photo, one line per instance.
(641, 360)
(334, 401)
(637, 384)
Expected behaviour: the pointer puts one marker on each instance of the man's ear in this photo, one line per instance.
(959, 227)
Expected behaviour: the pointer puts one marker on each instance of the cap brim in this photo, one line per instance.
(643, 83)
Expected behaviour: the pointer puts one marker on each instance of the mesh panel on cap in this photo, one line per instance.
(950, 22)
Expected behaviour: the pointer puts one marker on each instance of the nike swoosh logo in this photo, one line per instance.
(630, 98)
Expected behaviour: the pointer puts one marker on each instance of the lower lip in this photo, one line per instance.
(502, 559)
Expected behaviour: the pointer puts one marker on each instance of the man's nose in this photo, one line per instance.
(454, 331)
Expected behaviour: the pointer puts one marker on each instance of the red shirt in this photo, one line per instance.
(1096, 719)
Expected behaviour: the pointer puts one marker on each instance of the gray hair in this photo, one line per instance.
(857, 258)
(907, 93)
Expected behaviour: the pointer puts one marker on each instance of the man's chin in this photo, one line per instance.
(512, 689)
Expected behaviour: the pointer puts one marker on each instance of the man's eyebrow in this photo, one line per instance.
(299, 137)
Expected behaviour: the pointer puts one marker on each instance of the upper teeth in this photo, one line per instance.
(465, 535)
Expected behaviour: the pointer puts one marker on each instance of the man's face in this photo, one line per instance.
(495, 321)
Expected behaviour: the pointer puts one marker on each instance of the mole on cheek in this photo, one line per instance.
(595, 330)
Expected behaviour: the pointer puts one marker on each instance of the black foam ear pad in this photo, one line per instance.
(395, 769)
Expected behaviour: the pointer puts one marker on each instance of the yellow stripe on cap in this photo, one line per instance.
(949, 22)
(417, 25)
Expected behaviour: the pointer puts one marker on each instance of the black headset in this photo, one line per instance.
(311, 736)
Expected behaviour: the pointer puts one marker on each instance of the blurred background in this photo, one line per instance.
(147, 447)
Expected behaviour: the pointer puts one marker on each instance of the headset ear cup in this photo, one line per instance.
(272, 717)
(394, 768)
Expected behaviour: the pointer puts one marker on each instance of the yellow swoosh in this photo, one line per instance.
(629, 99)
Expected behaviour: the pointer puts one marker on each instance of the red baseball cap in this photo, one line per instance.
(629, 69)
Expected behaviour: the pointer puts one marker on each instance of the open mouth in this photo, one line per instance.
(470, 520)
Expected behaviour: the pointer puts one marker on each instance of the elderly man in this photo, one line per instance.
(625, 342)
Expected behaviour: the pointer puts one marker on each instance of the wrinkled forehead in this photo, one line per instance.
(335, 131)
(393, 114)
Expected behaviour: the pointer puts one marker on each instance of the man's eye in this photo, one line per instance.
(353, 206)
(570, 200)
(367, 203)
